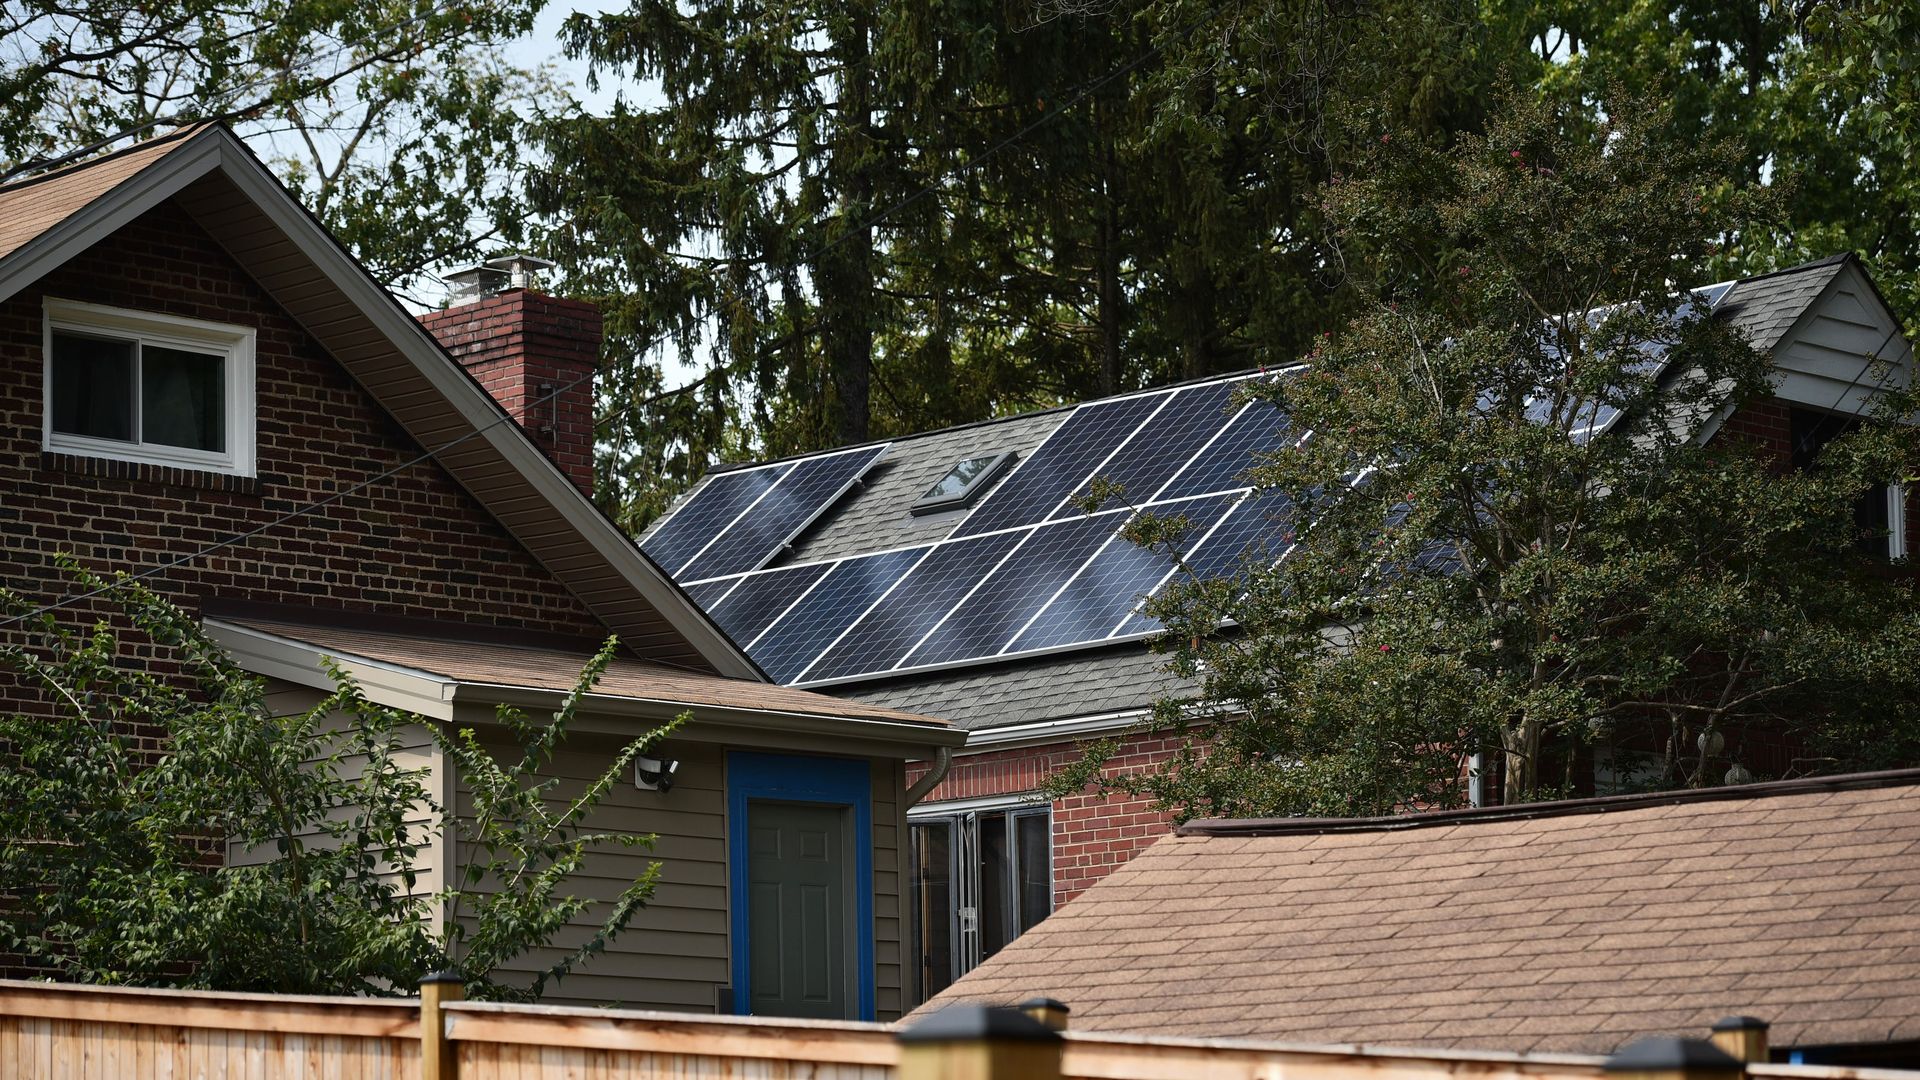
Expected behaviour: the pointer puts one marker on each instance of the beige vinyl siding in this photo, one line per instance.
(1823, 361)
(417, 751)
(674, 953)
(890, 992)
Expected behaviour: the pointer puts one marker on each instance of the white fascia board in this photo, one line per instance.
(196, 156)
(300, 663)
(480, 410)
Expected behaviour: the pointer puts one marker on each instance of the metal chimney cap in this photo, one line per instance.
(474, 283)
(521, 268)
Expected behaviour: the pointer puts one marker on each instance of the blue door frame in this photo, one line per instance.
(796, 778)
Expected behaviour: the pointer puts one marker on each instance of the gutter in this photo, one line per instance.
(942, 761)
(1050, 731)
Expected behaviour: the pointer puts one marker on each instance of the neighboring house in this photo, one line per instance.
(948, 573)
(186, 356)
(1563, 926)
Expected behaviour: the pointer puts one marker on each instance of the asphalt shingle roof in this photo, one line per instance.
(1087, 683)
(1767, 306)
(1554, 927)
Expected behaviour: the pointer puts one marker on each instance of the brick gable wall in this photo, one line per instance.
(416, 545)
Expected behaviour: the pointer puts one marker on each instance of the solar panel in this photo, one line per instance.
(1174, 435)
(842, 595)
(705, 514)
(709, 593)
(803, 493)
(880, 639)
(758, 599)
(986, 621)
(1258, 427)
(1061, 465)
(1107, 588)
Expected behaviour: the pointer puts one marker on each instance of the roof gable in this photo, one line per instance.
(217, 181)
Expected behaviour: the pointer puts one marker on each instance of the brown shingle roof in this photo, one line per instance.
(544, 667)
(1564, 927)
(32, 206)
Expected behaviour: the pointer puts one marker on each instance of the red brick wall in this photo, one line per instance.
(414, 545)
(519, 343)
(1768, 426)
(1092, 834)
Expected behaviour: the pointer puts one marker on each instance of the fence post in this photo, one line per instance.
(437, 1061)
(1743, 1037)
(973, 1042)
(1674, 1059)
(1048, 1011)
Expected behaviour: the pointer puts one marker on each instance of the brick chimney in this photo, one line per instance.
(523, 346)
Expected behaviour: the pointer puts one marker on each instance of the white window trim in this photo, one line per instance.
(234, 343)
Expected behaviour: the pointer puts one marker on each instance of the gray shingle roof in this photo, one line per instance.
(1766, 307)
(875, 518)
(1083, 683)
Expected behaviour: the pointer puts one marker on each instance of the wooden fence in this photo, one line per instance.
(61, 1032)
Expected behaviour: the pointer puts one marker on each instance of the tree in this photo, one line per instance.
(1470, 565)
(397, 121)
(274, 853)
(868, 221)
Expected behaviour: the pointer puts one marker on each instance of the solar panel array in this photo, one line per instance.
(739, 520)
(1025, 572)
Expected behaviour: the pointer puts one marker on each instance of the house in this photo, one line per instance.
(948, 573)
(1575, 926)
(198, 382)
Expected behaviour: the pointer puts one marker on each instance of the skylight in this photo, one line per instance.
(962, 483)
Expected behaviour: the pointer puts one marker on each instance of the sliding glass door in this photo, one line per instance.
(980, 879)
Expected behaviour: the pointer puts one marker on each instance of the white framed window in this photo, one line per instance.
(139, 386)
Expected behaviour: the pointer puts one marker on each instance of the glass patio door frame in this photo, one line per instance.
(966, 889)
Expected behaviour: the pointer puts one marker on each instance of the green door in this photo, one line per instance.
(798, 910)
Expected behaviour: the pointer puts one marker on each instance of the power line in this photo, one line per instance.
(659, 339)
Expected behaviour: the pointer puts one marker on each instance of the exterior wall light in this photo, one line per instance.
(654, 774)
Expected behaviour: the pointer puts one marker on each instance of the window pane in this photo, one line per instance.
(996, 885)
(933, 903)
(183, 399)
(1033, 835)
(93, 387)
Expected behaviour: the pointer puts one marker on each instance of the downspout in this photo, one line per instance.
(942, 761)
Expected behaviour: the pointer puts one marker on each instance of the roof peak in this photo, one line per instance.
(54, 168)
(1304, 826)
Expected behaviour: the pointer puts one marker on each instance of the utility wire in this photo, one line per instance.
(302, 511)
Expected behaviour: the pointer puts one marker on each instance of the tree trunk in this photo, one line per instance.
(1108, 272)
(846, 293)
(1520, 744)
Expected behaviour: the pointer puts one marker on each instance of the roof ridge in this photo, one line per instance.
(1304, 826)
(1817, 264)
(55, 172)
(1064, 406)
